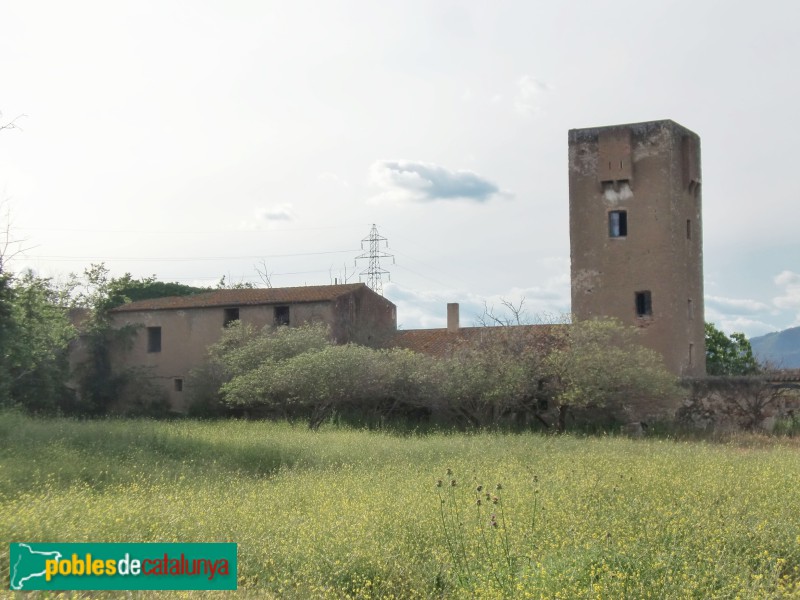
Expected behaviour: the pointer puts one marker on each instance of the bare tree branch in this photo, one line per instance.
(264, 274)
(513, 314)
(343, 276)
(10, 246)
(12, 124)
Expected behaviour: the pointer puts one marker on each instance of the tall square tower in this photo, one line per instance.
(636, 235)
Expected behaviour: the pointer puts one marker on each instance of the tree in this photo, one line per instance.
(36, 332)
(601, 364)
(101, 386)
(728, 355)
(496, 375)
(241, 285)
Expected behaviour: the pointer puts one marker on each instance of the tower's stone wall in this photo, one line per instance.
(636, 235)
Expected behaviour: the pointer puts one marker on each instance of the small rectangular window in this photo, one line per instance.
(690, 309)
(231, 315)
(178, 384)
(154, 339)
(688, 229)
(644, 304)
(281, 315)
(691, 355)
(617, 223)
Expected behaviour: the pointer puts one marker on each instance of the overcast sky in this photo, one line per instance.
(194, 139)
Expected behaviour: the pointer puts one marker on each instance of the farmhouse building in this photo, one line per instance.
(636, 255)
(174, 333)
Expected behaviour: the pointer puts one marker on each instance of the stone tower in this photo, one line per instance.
(636, 235)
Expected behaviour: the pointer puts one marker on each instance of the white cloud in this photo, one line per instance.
(268, 217)
(415, 181)
(737, 306)
(744, 315)
(334, 178)
(276, 212)
(790, 299)
(750, 327)
(528, 100)
(791, 296)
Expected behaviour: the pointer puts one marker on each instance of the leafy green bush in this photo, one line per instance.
(299, 371)
(291, 372)
(601, 364)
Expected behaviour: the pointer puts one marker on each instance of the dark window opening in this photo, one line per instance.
(618, 223)
(542, 404)
(231, 315)
(688, 229)
(691, 355)
(690, 309)
(644, 304)
(178, 384)
(154, 339)
(281, 315)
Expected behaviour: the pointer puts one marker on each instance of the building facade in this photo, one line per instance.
(173, 334)
(636, 235)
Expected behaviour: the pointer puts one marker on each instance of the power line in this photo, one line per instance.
(185, 231)
(182, 258)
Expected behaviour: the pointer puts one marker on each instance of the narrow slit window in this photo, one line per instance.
(688, 229)
(690, 309)
(231, 315)
(644, 304)
(617, 223)
(154, 339)
(281, 315)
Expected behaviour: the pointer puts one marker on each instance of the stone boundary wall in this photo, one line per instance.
(754, 402)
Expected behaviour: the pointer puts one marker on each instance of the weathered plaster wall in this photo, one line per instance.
(186, 335)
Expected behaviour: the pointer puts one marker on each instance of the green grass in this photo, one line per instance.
(345, 513)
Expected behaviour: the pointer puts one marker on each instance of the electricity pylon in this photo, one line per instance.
(374, 273)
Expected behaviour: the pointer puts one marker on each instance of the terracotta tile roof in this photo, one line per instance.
(440, 342)
(783, 376)
(245, 297)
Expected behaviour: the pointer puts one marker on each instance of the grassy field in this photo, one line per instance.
(355, 514)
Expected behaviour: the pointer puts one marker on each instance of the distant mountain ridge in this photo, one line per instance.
(780, 349)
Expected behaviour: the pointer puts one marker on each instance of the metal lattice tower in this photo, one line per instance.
(374, 273)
